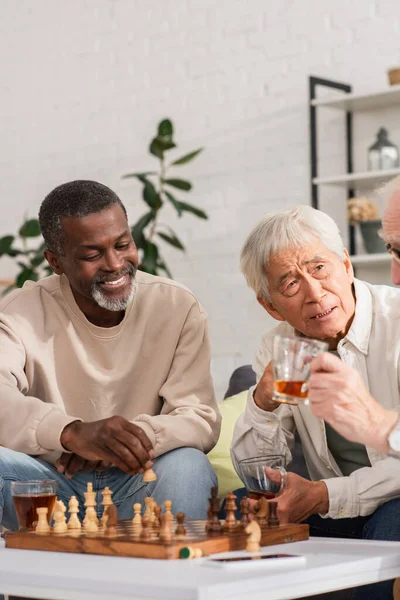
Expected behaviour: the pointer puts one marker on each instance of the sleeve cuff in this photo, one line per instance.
(343, 503)
(256, 414)
(149, 431)
(49, 430)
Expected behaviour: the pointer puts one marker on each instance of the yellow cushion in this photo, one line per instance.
(220, 456)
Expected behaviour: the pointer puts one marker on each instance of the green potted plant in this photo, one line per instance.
(158, 189)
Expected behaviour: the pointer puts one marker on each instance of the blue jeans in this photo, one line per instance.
(184, 476)
(383, 524)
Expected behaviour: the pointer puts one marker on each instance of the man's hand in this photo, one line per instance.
(114, 440)
(300, 498)
(70, 464)
(337, 394)
(264, 390)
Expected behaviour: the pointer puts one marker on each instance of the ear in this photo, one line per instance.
(348, 266)
(269, 307)
(54, 262)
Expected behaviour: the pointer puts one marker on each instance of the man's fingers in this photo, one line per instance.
(139, 433)
(63, 461)
(122, 457)
(103, 465)
(90, 465)
(75, 464)
(327, 363)
(136, 448)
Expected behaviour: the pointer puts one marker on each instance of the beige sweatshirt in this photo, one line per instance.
(153, 368)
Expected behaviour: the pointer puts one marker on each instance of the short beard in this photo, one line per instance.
(115, 305)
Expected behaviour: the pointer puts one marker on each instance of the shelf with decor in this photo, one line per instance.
(351, 181)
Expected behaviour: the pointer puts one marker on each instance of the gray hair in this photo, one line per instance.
(293, 228)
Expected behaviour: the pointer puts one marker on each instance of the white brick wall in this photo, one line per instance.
(83, 84)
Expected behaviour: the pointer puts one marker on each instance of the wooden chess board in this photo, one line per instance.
(126, 540)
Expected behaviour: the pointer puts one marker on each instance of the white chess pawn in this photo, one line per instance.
(73, 508)
(42, 524)
(137, 519)
(60, 521)
(168, 513)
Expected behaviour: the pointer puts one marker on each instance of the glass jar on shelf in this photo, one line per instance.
(383, 155)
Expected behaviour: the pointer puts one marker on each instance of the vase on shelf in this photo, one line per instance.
(372, 242)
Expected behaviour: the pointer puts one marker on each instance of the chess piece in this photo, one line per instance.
(261, 508)
(149, 475)
(73, 509)
(90, 503)
(112, 520)
(145, 533)
(180, 528)
(149, 508)
(165, 530)
(106, 493)
(254, 537)
(168, 512)
(273, 520)
(213, 523)
(157, 517)
(137, 509)
(60, 522)
(190, 552)
(244, 512)
(230, 508)
(42, 523)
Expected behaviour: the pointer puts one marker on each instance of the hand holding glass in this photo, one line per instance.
(291, 358)
(263, 475)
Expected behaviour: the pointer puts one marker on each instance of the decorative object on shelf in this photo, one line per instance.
(394, 76)
(29, 257)
(155, 195)
(364, 212)
(383, 155)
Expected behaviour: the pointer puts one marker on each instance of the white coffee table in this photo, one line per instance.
(331, 564)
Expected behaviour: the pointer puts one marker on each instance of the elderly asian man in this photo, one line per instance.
(302, 275)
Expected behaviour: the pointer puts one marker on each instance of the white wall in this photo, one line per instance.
(83, 84)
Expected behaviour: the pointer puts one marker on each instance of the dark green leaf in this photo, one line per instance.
(48, 270)
(183, 206)
(175, 203)
(151, 196)
(181, 184)
(140, 176)
(30, 228)
(26, 274)
(139, 226)
(150, 257)
(161, 265)
(159, 145)
(13, 252)
(5, 244)
(165, 128)
(171, 239)
(187, 158)
(37, 260)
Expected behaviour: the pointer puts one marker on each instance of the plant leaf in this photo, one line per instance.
(161, 265)
(151, 196)
(183, 206)
(139, 226)
(171, 239)
(140, 176)
(181, 184)
(187, 158)
(5, 244)
(26, 273)
(175, 203)
(30, 228)
(37, 260)
(150, 257)
(159, 145)
(165, 128)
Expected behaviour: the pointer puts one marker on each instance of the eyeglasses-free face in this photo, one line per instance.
(395, 252)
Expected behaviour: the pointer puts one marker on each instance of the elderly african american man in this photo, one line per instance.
(104, 370)
(302, 275)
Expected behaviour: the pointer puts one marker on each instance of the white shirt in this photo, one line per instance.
(372, 347)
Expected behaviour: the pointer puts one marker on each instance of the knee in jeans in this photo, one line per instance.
(190, 462)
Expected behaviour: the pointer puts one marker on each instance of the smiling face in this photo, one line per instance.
(311, 289)
(99, 259)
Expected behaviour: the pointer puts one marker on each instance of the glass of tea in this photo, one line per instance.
(260, 481)
(30, 495)
(291, 358)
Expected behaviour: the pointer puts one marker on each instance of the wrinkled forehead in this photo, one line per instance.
(391, 220)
